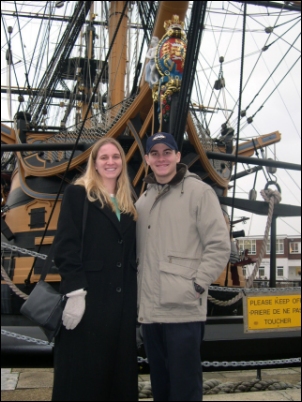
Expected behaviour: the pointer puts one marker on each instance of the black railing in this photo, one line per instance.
(283, 283)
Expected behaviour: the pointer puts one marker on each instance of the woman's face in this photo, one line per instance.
(108, 162)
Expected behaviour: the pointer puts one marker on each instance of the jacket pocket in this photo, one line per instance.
(90, 266)
(177, 285)
(179, 258)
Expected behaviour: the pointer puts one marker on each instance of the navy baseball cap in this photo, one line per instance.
(161, 138)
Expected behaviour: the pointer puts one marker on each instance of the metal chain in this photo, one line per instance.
(242, 363)
(251, 363)
(212, 299)
(255, 290)
(225, 289)
(141, 360)
(4, 274)
(23, 250)
(26, 338)
(272, 290)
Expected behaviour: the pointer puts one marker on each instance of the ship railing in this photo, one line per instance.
(208, 143)
(284, 283)
(205, 139)
(95, 128)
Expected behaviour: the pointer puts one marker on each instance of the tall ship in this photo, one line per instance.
(217, 75)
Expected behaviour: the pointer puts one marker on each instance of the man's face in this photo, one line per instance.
(162, 161)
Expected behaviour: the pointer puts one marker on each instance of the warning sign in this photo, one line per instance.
(275, 311)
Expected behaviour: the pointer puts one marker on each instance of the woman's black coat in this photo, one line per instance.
(98, 359)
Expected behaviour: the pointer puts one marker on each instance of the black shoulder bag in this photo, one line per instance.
(45, 305)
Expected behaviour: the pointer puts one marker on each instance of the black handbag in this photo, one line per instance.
(45, 305)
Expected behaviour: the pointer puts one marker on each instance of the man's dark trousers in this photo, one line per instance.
(173, 352)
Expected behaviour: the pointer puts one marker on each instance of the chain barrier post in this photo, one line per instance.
(272, 279)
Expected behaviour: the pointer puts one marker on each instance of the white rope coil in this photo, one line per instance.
(272, 197)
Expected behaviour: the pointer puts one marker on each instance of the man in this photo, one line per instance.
(183, 245)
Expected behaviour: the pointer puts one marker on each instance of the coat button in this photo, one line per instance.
(118, 290)
(119, 264)
(149, 227)
(120, 241)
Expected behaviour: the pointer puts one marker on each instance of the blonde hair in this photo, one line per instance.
(94, 185)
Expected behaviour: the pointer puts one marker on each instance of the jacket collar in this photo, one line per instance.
(181, 170)
(122, 225)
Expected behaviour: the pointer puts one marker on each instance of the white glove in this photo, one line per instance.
(74, 308)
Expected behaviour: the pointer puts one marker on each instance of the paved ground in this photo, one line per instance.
(36, 385)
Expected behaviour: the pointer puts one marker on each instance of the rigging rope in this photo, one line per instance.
(42, 240)
(22, 46)
(78, 137)
(260, 54)
(239, 107)
(276, 86)
(41, 54)
(272, 197)
(12, 285)
(273, 73)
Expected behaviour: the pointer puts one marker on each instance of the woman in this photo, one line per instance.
(95, 351)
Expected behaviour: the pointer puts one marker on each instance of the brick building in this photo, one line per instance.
(288, 257)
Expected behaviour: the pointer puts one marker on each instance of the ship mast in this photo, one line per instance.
(89, 55)
(118, 55)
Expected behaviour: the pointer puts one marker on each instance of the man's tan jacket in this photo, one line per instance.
(182, 238)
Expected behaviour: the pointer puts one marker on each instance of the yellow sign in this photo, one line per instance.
(272, 312)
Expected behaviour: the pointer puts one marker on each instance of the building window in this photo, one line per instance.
(280, 271)
(249, 245)
(244, 272)
(261, 271)
(279, 247)
(295, 248)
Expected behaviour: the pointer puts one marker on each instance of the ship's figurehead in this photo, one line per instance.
(171, 51)
(170, 56)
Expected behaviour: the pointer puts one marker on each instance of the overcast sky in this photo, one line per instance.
(281, 112)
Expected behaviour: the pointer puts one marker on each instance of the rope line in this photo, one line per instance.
(12, 285)
(213, 387)
(272, 197)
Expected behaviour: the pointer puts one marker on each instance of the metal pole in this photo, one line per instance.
(252, 161)
(272, 280)
(44, 147)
